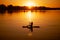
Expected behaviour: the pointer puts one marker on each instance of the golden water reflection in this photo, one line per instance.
(49, 22)
(32, 16)
(30, 34)
(29, 15)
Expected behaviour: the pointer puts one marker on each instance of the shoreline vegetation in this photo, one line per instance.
(11, 7)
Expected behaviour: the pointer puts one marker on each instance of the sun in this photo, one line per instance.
(30, 4)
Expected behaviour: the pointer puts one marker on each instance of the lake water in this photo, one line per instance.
(11, 25)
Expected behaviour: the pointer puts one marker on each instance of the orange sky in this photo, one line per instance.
(49, 3)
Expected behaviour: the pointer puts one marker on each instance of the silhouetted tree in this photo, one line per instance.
(10, 7)
(2, 7)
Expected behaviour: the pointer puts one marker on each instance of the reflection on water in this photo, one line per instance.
(29, 15)
(30, 34)
(11, 25)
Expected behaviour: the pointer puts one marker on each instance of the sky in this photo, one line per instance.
(48, 3)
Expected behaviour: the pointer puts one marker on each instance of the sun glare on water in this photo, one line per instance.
(30, 34)
(29, 15)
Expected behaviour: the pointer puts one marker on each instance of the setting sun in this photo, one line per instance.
(30, 4)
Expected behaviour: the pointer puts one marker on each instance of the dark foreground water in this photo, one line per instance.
(11, 25)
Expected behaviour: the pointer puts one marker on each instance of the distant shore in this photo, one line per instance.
(11, 7)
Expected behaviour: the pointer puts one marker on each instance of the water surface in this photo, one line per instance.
(11, 25)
